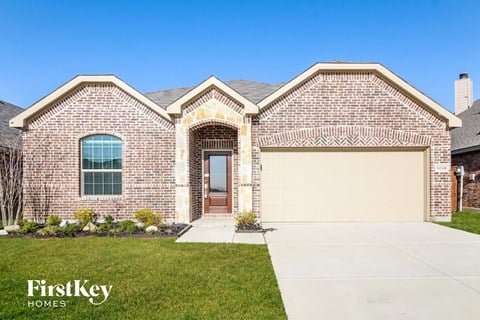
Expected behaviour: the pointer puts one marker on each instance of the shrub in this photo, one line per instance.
(246, 218)
(149, 218)
(127, 226)
(71, 229)
(85, 215)
(49, 231)
(103, 227)
(1, 224)
(53, 220)
(28, 226)
(108, 220)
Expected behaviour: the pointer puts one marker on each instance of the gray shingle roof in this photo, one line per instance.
(253, 91)
(8, 136)
(467, 138)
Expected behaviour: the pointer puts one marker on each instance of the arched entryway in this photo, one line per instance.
(213, 171)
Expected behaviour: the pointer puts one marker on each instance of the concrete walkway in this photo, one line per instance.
(219, 231)
(376, 271)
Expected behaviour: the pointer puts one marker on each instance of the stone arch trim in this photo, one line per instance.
(212, 122)
(344, 136)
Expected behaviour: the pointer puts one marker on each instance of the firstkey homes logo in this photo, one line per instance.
(95, 294)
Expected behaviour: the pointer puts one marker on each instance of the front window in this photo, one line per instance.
(101, 165)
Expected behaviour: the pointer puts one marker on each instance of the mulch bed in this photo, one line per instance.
(249, 228)
(173, 230)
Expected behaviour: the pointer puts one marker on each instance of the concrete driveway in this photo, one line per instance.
(376, 270)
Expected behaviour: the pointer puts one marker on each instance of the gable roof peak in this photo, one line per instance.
(20, 120)
(176, 106)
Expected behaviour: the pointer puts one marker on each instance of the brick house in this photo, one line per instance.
(339, 142)
(466, 141)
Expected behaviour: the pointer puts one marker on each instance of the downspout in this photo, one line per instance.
(460, 173)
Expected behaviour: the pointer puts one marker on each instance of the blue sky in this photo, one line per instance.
(155, 45)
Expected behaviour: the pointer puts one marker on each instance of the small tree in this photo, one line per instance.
(11, 185)
(38, 185)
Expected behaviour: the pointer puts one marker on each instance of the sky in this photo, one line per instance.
(157, 45)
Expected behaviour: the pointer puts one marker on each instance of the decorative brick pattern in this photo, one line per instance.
(344, 136)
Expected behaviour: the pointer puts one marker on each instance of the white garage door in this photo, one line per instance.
(343, 185)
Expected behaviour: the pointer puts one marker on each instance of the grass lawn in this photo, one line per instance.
(151, 279)
(464, 220)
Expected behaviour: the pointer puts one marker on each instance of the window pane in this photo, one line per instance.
(88, 189)
(88, 177)
(107, 188)
(117, 189)
(117, 177)
(218, 173)
(108, 177)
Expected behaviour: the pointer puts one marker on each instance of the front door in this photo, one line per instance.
(217, 182)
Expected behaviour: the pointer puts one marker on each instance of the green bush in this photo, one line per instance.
(108, 220)
(127, 226)
(53, 220)
(149, 218)
(103, 227)
(71, 229)
(1, 224)
(28, 226)
(246, 218)
(85, 215)
(49, 231)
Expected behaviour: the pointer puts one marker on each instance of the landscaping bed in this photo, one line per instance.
(147, 224)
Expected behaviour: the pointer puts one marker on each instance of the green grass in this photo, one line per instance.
(464, 220)
(152, 279)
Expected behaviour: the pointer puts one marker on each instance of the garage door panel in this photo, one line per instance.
(343, 185)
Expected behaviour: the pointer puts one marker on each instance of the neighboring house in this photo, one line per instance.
(466, 141)
(9, 137)
(339, 142)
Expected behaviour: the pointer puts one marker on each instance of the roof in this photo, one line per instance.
(467, 138)
(253, 91)
(254, 96)
(8, 136)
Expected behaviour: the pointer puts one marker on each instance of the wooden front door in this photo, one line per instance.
(217, 182)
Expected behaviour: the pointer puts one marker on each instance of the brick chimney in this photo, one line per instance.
(463, 93)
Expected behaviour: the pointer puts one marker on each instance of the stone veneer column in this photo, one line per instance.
(245, 199)
(182, 186)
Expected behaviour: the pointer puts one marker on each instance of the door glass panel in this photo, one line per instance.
(218, 173)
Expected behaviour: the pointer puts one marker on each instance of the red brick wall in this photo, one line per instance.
(471, 164)
(52, 148)
(353, 110)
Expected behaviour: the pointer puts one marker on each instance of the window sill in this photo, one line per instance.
(101, 197)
